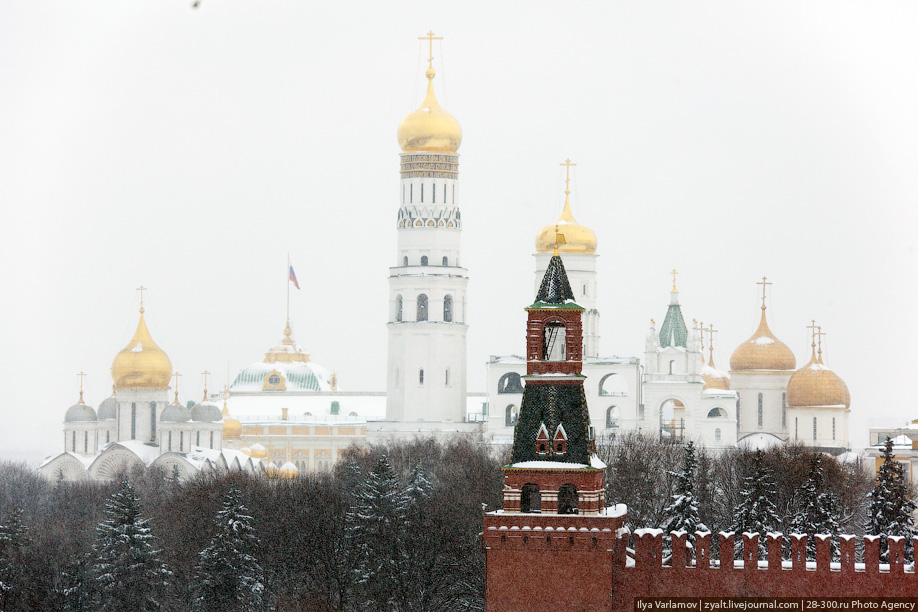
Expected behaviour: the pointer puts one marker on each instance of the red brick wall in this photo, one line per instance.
(549, 562)
(526, 571)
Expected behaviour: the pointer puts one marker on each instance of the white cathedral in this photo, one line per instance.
(290, 412)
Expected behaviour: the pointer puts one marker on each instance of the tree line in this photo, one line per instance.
(395, 528)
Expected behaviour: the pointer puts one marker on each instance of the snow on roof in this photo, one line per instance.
(651, 531)
(617, 510)
(848, 457)
(549, 465)
(514, 359)
(145, 452)
(758, 441)
(596, 462)
(763, 340)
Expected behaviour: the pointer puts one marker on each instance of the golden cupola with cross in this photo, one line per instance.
(429, 128)
(763, 351)
(577, 238)
(815, 385)
(141, 364)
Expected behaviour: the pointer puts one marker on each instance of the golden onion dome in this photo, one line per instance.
(763, 352)
(429, 128)
(816, 385)
(577, 238)
(245, 450)
(258, 451)
(141, 364)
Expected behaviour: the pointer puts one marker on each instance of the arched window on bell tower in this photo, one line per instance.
(398, 308)
(448, 309)
(554, 340)
(422, 307)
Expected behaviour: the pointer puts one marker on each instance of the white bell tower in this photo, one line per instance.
(426, 375)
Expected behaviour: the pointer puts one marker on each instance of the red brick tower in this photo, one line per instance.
(552, 544)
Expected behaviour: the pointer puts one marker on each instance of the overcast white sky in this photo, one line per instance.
(146, 142)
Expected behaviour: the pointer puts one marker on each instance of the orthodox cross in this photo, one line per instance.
(206, 374)
(764, 283)
(701, 327)
(81, 375)
(711, 332)
(141, 289)
(176, 377)
(567, 175)
(225, 395)
(674, 273)
(430, 38)
(819, 335)
(812, 327)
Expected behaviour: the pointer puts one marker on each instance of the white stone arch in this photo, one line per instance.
(613, 384)
(114, 461)
(63, 467)
(168, 461)
(670, 413)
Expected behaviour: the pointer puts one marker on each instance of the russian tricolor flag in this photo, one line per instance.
(293, 277)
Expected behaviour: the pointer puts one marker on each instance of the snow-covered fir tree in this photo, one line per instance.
(817, 510)
(891, 507)
(14, 540)
(128, 571)
(375, 525)
(756, 512)
(682, 513)
(228, 577)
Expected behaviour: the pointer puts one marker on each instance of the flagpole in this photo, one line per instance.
(288, 288)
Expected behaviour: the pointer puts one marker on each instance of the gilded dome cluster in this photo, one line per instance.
(141, 364)
(429, 128)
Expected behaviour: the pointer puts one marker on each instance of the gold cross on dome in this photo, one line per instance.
(812, 327)
(176, 377)
(567, 175)
(141, 289)
(674, 273)
(205, 373)
(764, 284)
(81, 374)
(430, 38)
(701, 327)
(711, 332)
(819, 335)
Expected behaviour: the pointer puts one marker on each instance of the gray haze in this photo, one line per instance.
(146, 142)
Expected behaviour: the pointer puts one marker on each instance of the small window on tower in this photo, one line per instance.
(448, 309)
(444, 193)
(398, 308)
(421, 376)
(433, 189)
(814, 428)
(424, 260)
(422, 193)
(405, 261)
(411, 192)
(760, 410)
(445, 260)
(447, 377)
